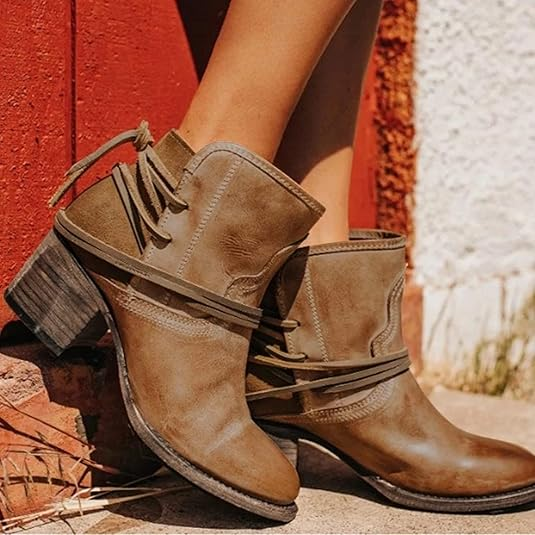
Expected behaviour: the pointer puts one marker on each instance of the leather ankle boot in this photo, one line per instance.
(173, 255)
(328, 364)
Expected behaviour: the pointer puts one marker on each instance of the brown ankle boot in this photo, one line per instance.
(177, 277)
(330, 366)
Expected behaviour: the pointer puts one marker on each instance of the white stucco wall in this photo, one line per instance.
(475, 196)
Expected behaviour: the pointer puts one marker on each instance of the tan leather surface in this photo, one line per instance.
(406, 441)
(341, 305)
(187, 376)
(100, 211)
(335, 322)
(341, 299)
(242, 216)
(186, 369)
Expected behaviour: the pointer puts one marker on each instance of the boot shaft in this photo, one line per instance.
(346, 298)
(237, 221)
(101, 211)
(244, 219)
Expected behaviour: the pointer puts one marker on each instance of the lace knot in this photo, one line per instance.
(143, 137)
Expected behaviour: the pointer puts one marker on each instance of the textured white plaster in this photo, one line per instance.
(475, 122)
(474, 211)
(477, 317)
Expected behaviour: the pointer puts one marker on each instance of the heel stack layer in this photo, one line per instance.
(55, 298)
(288, 446)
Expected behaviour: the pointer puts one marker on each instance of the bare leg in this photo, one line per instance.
(317, 147)
(261, 62)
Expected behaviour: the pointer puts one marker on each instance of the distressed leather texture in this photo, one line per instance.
(99, 210)
(346, 297)
(186, 369)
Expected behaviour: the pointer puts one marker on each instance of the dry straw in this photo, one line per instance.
(57, 460)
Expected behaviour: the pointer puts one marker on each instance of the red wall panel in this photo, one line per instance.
(132, 62)
(362, 195)
(35, 118)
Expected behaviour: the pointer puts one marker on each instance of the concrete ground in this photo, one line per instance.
(332, 499)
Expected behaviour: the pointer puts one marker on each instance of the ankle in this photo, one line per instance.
(321, 234)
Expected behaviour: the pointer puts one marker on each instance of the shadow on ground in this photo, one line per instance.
(194, 508)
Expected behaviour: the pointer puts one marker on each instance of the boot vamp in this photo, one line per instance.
(187, 376)
(398, 434)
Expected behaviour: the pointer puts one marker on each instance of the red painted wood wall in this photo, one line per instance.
(74, 73)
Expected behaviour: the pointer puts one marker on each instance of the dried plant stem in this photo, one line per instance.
(51, 456)
(55, 450)
(78, 504)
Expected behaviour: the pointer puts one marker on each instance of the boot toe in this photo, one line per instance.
(264, 473)
(503, 466)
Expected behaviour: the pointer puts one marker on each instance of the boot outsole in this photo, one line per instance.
(286, 435)
(58, 301)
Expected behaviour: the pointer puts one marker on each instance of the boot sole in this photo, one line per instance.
(55, 298)
(287, 438)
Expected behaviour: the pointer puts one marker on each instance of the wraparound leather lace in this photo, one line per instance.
(360, 372)
(155, 177)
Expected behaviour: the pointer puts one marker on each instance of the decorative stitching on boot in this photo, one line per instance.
(160, 316)
(397, 243)
(208, 215)
(371, 405)
(309, 291)
(250, 283)
(151, 247)
(167, 323)
(394, 302)
(263, 165)
(186, 179)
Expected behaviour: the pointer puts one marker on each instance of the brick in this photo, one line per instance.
(79, 396)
